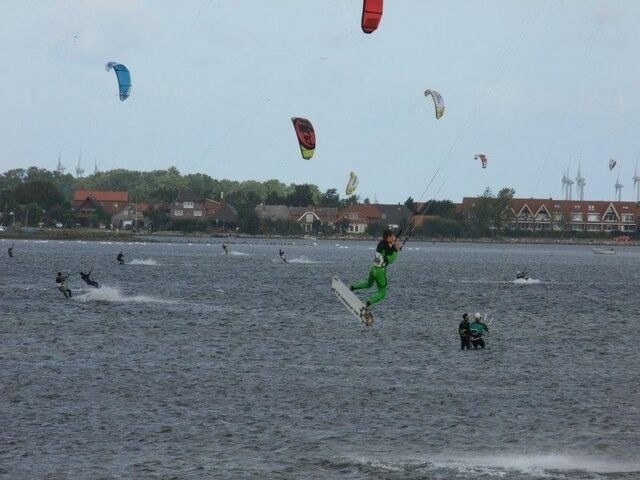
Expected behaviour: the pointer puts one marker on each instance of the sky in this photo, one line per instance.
(539, 86)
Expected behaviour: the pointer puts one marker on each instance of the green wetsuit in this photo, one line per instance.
(378, 272)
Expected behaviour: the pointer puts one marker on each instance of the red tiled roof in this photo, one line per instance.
(101, 195)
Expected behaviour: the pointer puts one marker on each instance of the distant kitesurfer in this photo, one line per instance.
(283, 256)
(10, 251)
(477, 329)
(120, 258)
(88, 280)
(522, 274)
(464, 330)
(61, 283)
(386, 253)
(226, 249)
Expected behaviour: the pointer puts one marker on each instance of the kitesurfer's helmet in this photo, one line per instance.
(477, 316)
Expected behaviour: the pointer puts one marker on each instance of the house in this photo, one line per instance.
(393, 216)
(220, 215)
(131, 216)
(306, 217)
(356, 218)
(112, 201)
(536, 214)
(272, 213)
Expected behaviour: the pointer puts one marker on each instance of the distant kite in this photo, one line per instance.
(371, 15)
(352, 185)
(306, 136)
(483, 159)
(438, 102)
(612, 163)
(124, 79)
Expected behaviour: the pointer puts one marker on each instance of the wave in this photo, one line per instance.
(144, 261)
(239, 254)
(114, 295)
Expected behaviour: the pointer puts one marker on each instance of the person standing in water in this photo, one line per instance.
(10, 251)
(386, 253)
(225, 248)
(464, 332)
(283, 256)
(61, 283)
(120, 258)
(477, 329)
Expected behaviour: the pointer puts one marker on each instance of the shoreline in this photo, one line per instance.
(178, 237)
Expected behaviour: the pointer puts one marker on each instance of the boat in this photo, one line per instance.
(604, 251)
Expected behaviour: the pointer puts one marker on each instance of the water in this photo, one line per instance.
(189, 363)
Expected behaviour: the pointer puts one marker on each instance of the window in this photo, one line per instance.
(187, 204)
(610, 217)
(384, 216)
(593, 217)
(178, 213)
(309, 218)
(627, 217)
(353, 216)
(197, 213)
(115, 206)
(591, 208)
(576, 217)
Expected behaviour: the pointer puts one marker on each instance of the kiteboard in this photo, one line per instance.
(351, 301)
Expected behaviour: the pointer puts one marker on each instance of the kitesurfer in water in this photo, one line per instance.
(120, 258)
(283, 256)
(226, 249)
(386, 253)
(522, 274)
(477, 329)
(61, 283)
(464, 332)
(10, 251)
(88, 280)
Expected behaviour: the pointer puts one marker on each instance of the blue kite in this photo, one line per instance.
(124, 79)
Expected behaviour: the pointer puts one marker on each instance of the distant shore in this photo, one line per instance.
(171, 236)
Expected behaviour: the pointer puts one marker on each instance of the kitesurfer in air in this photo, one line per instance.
(464, 332)
(10, 251)
(120, 258)
(226, 249)
(61, 283)
(283, 256)
(477, 329)
(88, 280)
(386, 253)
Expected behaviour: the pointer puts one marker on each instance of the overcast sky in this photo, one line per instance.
(536, 85)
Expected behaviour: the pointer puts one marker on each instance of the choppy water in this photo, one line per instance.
(189, 363)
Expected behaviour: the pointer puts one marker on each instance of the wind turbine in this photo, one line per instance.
(581, 181)
(79, 169)
(618, 186)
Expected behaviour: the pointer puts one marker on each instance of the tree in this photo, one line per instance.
(410, 204)
(330, 198)
(502, 213)
(483, 213)
(302, 196)
(42, 192)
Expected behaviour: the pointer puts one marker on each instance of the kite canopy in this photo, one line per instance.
(124, 79)
(352, 185)
(306, 136)
(371, 15)
(612, 163)
(483, 159)
(438, 102)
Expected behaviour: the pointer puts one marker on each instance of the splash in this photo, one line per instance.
(303, 260)
(114, 295)
(239, 254)
(143, 261)
(541, 465)
(526, 281)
